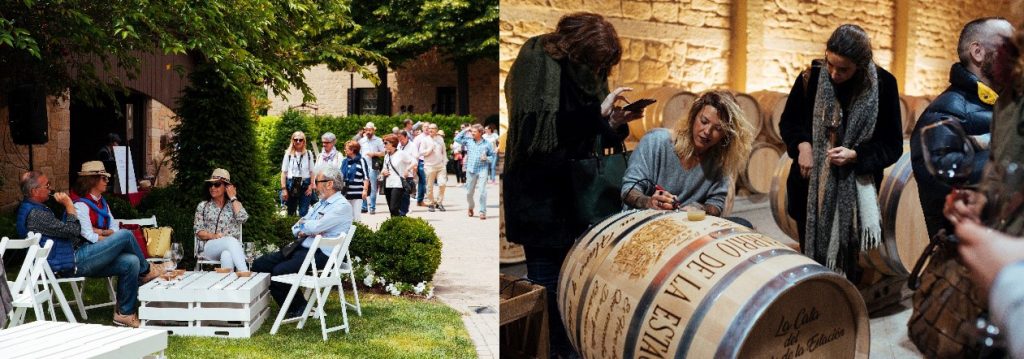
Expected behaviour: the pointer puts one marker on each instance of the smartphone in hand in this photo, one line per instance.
(639, 105)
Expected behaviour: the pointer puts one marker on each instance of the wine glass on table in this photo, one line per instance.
(175, 255)
(948, 154)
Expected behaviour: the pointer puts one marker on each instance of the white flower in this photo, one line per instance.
(418, 289)
(430, 293)
(368, 281)
(393, 289)
(357, 259)
(382, 280)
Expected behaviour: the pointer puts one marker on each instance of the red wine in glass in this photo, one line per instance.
(948, 153)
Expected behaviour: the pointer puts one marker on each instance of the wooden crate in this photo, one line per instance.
(524, 319)
(206, 304)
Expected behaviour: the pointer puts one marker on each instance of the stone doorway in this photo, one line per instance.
(92, 122)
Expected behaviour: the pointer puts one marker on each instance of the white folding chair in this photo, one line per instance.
(319, 282)
(30, 289)
(198, 247)
(345, 268)
(42, 268)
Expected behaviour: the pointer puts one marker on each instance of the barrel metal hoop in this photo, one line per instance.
(590, 277)
(754, 309)
(673, 264)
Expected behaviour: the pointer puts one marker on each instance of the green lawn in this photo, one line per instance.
(390, 327)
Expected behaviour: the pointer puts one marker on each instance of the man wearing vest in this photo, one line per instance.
(72, 255)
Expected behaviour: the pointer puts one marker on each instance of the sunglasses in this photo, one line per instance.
(217, 184)
(322, 181)
(299, 139)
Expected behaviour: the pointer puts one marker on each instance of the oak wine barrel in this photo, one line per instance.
(757, 176)
(772, 105)
(751, 111)
(778, 199)
(905, 115)
(653, 284)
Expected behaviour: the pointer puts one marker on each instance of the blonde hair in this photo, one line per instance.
(291, 143)
(734, 147)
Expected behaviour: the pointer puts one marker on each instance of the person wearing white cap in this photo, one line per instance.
(218, 222)
(371, 147)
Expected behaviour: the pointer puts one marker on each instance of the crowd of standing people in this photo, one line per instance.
(412, 162)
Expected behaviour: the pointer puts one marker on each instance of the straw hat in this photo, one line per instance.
(93, 168)
(220, 174)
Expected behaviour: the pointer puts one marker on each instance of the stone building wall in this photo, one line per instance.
(689, 43)
(413, 83)
(330, 88)
(160, 119)
(50, 158)
(934, 30)
(417, 82)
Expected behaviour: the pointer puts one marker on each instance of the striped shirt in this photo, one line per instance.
(354, 170)
(474, 151)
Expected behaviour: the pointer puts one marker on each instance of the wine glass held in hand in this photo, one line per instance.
(948, 152)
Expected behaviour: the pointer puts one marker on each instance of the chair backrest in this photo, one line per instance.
(338, 245)
(5, 243)
(142, 222)
(32, 271)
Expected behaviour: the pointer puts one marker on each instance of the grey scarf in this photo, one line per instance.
(832, 232)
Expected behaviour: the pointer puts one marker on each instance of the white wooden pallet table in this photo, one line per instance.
(206, 304)
(44, 339)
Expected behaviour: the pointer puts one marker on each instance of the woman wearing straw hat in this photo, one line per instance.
(218, 222)
(109, 251)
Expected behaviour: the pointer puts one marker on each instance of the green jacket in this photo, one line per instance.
(1007, 146)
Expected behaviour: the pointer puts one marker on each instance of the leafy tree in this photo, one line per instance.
(63, 43)
(465, 31)
(216, 130)
(391, 28)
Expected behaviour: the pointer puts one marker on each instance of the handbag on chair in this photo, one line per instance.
(597, 182)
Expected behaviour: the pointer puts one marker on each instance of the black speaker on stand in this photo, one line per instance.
(26, 110)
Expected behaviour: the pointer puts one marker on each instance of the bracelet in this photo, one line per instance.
(232, 199)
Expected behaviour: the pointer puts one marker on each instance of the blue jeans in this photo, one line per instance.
(302, 202)
(542, 267)
(421, 184)
(276, 264)
(494, 167)
(118, 255)
(476, 181)
(371, 200)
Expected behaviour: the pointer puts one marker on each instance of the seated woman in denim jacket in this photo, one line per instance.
(219, 221)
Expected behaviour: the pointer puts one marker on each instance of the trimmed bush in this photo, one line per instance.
(406, 249)
(363, 242)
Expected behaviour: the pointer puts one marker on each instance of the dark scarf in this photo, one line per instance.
(832, 237)
(532, 92)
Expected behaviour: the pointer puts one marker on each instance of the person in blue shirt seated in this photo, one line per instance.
(330, 217)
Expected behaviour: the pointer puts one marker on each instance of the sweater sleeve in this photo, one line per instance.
(795, 123)
(44, 222)
(719, 192)
(1006, 303)
(85, 223)
(886, 144)
(640, 171)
